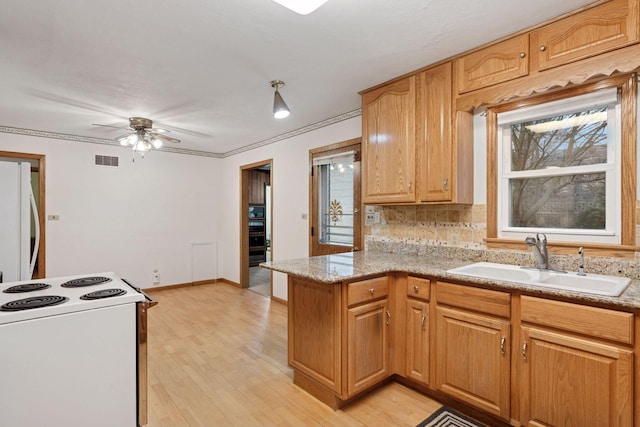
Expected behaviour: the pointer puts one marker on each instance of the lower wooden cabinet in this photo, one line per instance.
(572, 371)
(368, 345)
(417, 344)
(569, 364)
(568, 380)
(473, 359)
(314, 329)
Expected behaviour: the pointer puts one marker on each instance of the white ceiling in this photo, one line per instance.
(201, 67)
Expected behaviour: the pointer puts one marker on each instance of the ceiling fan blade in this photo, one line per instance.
(159, 130)
(109, 126)
(164, 137)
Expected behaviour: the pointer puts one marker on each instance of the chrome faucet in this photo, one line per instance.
(581, 265)
(539, 247)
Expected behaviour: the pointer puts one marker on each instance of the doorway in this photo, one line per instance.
(335, 213)
(37, 234)
(256, 211)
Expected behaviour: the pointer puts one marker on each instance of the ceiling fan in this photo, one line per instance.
(144, 135)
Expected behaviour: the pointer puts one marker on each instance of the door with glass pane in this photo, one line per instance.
(335, 213)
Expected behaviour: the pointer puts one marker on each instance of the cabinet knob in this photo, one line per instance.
(371, 291)
(416, 288)
(542, 48)
(522, 54)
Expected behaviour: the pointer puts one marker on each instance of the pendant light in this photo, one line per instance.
(280, 109)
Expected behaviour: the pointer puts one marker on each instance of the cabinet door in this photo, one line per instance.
(574, 381)
(418, 340)
(368, 349)
(495, 64)
(609, 26)
(388, 142)
(435, 143)
(473, 363)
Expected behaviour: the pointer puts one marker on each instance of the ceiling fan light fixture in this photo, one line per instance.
(144, 136)
(280, 108)
(302, 7)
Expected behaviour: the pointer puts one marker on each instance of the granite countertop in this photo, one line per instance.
(334, 269)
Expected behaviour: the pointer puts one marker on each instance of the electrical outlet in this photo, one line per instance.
(53, 217)
(156, 276)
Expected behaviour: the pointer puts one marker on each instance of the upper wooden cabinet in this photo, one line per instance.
(603, 28)
(445, 141)
(494, 64)
(388, 143)
(410, 134)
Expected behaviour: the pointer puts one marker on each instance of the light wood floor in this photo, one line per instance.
(217, 357)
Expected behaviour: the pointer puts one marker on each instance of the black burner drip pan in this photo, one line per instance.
(85, 281)
(26, 287)
(103, 293)
(33, 302)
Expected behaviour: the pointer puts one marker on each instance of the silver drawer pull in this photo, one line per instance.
(416, 288)
(371, 291)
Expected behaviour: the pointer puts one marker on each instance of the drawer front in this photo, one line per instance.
(481, 300)
(367, 290)
(418, 288)
(596, 322)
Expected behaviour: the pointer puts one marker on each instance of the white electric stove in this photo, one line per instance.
(73, 352)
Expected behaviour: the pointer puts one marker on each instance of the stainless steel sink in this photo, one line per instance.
(591, 283)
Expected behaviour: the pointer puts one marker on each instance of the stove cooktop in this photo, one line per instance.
(39, 298)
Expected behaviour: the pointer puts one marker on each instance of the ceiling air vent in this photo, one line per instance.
(106, 160)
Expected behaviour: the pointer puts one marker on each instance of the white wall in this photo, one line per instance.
(290, 195)
(130, 219)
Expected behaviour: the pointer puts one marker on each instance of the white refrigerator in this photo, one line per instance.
(17, 206)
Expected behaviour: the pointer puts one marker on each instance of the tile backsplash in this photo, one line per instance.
(452, 231)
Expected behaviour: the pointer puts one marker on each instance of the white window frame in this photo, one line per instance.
(612, 169)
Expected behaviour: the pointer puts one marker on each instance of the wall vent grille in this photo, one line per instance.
(106, 160)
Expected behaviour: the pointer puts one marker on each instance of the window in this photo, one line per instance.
(335, 198)
(559, 169)
(334, 209)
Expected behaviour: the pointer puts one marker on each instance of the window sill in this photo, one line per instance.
(569, 248)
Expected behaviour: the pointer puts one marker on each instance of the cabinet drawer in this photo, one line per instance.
(418, 288)
(367, 290)
(482, 300)
(495, 64)
(596, 322)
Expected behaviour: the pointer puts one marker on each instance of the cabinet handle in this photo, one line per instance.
(522, 54)
(445, 184)
(524, 351)
(416, 288)
(371, 291)
(422, 321)
(542, 48)
(409, 186)
(503, 340)
(388, 317)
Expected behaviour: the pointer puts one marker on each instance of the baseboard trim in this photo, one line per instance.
(188, 284)
(279, 300)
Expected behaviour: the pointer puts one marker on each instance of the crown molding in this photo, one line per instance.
(105, 141)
